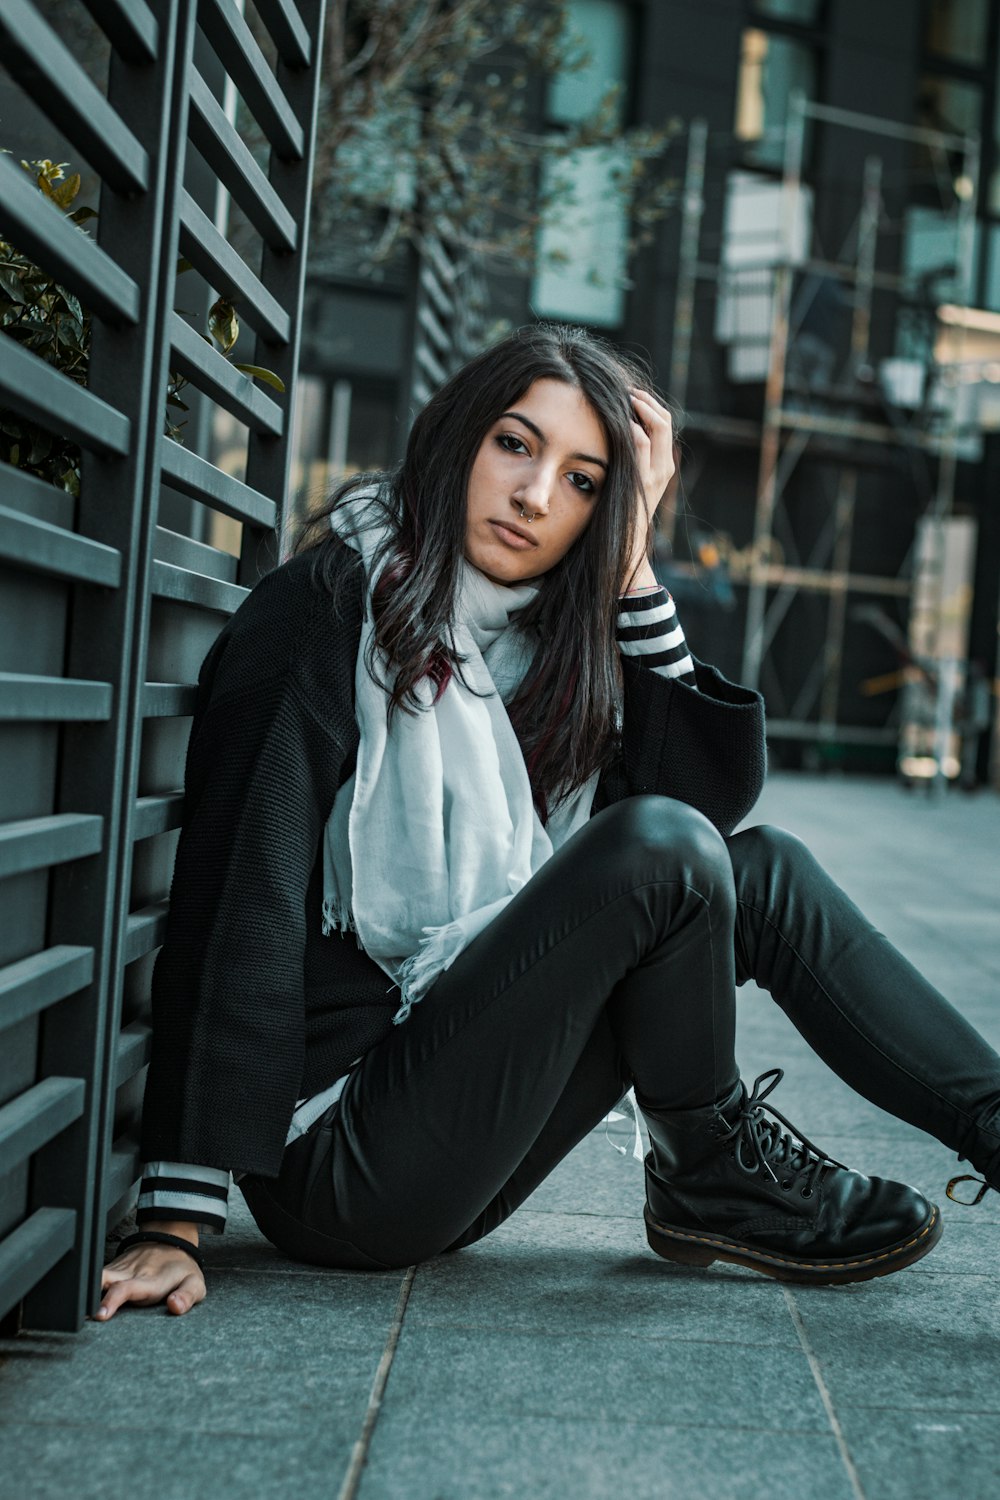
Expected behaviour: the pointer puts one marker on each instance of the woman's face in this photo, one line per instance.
(548, 457)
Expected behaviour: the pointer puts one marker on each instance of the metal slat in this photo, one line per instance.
(45, 233)
(155, 815)
(33, 843)
(30, 1252)
(226, 271)
(124, 1168)
(38, 1115)
(233, 162)
(45, 548)
(58, 404)
(33, 984)
(195, 477)
(42, 699)
(247, 66)
(199, 557)
(47, 70)
(288, 31)
(181, 584)
(129, 26)
(433, 328)
(144, 930)
(135, 1042)
(168, 700)
(206, 368)
(430, 362)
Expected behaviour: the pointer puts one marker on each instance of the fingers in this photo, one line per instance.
(654, 413)
(148, 1276)
(655, 447)
(191, 1291)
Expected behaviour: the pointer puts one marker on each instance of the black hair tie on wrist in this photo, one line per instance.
(157, 1237)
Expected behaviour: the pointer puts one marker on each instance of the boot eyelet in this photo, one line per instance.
(807, 1192)
(786, 1186)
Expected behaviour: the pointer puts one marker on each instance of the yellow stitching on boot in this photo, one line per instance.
(806, 1265)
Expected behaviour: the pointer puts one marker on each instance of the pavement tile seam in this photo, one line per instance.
(316, 1273)
(259, 1434)
(921, 1411)
(600, 1335)
(578, 1213)
(560, 1418)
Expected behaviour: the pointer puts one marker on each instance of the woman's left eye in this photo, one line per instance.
(583, 482)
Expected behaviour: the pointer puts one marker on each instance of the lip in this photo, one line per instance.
(504, 530)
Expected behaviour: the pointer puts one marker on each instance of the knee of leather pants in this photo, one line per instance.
(655, 825)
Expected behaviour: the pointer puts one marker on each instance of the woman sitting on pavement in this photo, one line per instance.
(459, 868)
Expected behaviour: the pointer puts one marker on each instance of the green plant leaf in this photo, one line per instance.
(67, 191)
(258, 373)
(223, 324)
(81, 215)
(10, 285)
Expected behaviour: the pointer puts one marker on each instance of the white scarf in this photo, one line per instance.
(436, 830)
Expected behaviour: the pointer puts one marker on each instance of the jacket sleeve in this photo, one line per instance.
(702, 743)
(264, 763)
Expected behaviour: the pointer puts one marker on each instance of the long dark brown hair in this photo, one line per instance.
(566, 711)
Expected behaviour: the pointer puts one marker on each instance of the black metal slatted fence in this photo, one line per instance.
(108, 612)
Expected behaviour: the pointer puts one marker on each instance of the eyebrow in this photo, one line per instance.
(587, 458)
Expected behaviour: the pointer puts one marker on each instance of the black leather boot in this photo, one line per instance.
(727, 1183)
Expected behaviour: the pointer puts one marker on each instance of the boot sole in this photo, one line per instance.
(688, 1249)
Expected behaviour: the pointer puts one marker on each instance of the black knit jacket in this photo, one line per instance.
(252, 1007)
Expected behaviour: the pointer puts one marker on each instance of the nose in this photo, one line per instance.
(532, 494)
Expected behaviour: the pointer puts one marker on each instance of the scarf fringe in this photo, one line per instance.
(439, 947)
(338, 918)
(627, 1108)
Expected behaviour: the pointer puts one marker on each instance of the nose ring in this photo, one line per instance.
(525, 516)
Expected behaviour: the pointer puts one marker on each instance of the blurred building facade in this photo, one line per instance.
(792, 311)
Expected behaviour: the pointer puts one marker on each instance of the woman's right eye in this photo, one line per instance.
(510, 443)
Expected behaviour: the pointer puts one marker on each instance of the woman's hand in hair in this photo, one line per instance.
(149, 1274)
(653, 432)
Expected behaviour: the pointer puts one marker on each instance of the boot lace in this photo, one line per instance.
(762, 1145)
(984, 1188)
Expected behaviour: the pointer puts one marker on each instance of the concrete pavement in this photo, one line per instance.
(560, 1358)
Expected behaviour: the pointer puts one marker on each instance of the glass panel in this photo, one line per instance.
(931, 250)
(804, 11)
(956, 29)
(953, 107)
(582, 246)
(993, 193)
(771, 68)
(603, 27)
(993, 268)
(949, 104)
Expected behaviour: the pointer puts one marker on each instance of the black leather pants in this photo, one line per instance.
(616, 964)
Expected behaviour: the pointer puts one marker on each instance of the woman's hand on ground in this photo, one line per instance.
(148, 1274)
(653, 433)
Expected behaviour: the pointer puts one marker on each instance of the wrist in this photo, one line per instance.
(640, 578)
(182, 1229)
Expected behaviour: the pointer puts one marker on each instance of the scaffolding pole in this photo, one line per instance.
(786, 431)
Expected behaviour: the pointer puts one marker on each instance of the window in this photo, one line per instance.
(957, 30)
(953, 106)
(804, 12)
(342, 427)
(771, 68)
(582, 244)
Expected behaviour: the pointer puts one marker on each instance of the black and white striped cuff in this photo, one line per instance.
(648, 628)
(177, 1190)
